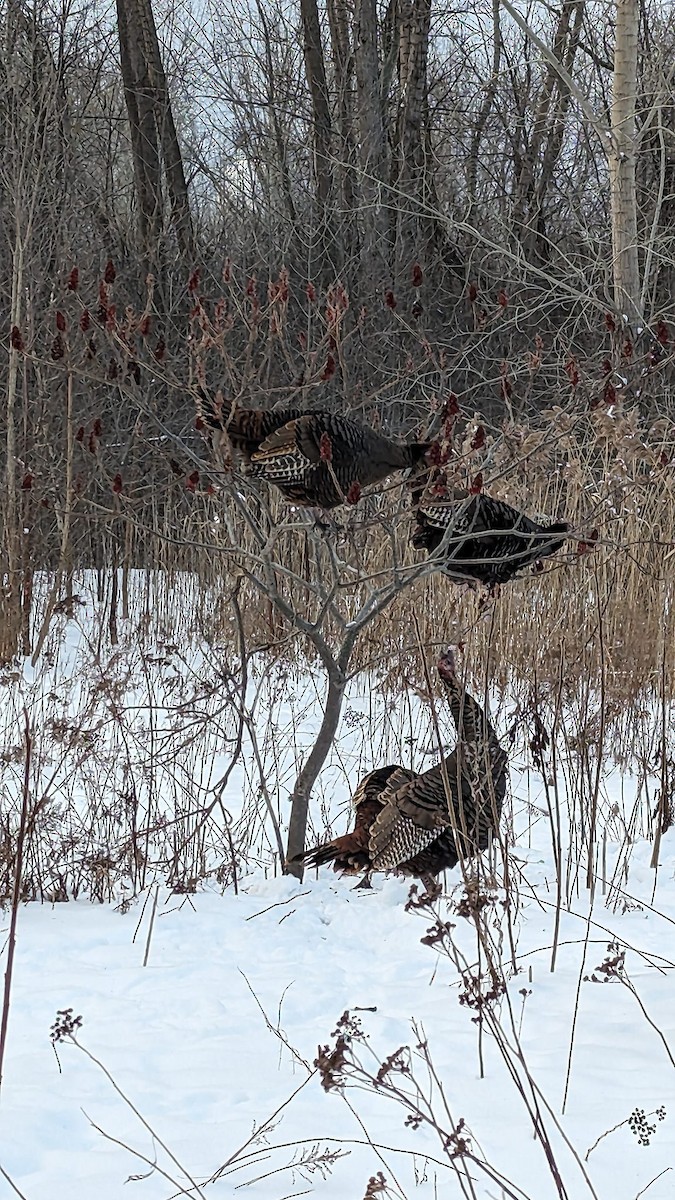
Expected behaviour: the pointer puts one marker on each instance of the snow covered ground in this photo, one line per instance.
(190, 1040)
(193, 1071)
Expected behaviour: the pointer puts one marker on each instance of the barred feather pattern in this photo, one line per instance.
(248, 429)
(314, 458)
(403, 821)
(416, 833)
(419, 831)
(400, 837)
(488, 539)
(245, 428)
(484, 762)
(350, 854)
(380, 784)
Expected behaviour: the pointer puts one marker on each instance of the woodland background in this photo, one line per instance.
(446, 219)
(402, 211)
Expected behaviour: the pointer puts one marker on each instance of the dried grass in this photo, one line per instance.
(580, 651)
(603, 611)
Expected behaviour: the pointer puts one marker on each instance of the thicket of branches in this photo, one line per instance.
(419, 214)
(449, 223)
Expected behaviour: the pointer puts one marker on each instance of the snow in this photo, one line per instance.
(203, 1055)
(185, 1040)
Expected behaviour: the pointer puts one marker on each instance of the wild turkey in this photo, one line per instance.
(403, 821)
(350, 854)
(488, 539)
(317, 459)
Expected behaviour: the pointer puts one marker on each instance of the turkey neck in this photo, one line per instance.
(396, 454)
(415, 452)
(480, 749)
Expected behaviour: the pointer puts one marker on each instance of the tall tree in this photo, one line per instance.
(372, 141)
(343, 70)
(315, 71)
(154, 139)
(34, 179)
(619, 143)
(413, 168)
(622, 161)
(536, 167)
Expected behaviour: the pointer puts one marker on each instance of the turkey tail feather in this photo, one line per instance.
(347, 853)
(317, 856)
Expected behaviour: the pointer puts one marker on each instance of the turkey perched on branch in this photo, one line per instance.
(487, 539)
(317, 459)
(403, 821)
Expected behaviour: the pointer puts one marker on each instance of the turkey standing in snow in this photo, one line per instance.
(488, 540)
(403, 821)
(317, 459)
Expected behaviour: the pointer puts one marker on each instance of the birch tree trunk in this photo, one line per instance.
(622, 161)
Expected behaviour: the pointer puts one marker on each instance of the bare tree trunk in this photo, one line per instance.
(556, 130)
(545, 142)
(413, 224)
(10, 598)
(622, 161)
(176, 184)
(374, 225)
(343, 68)
(34, 182)
(315, 71)
(297, 826)
(275, 123)
(143, 132)
(153, 132)
(486, 106)
(620, 143)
